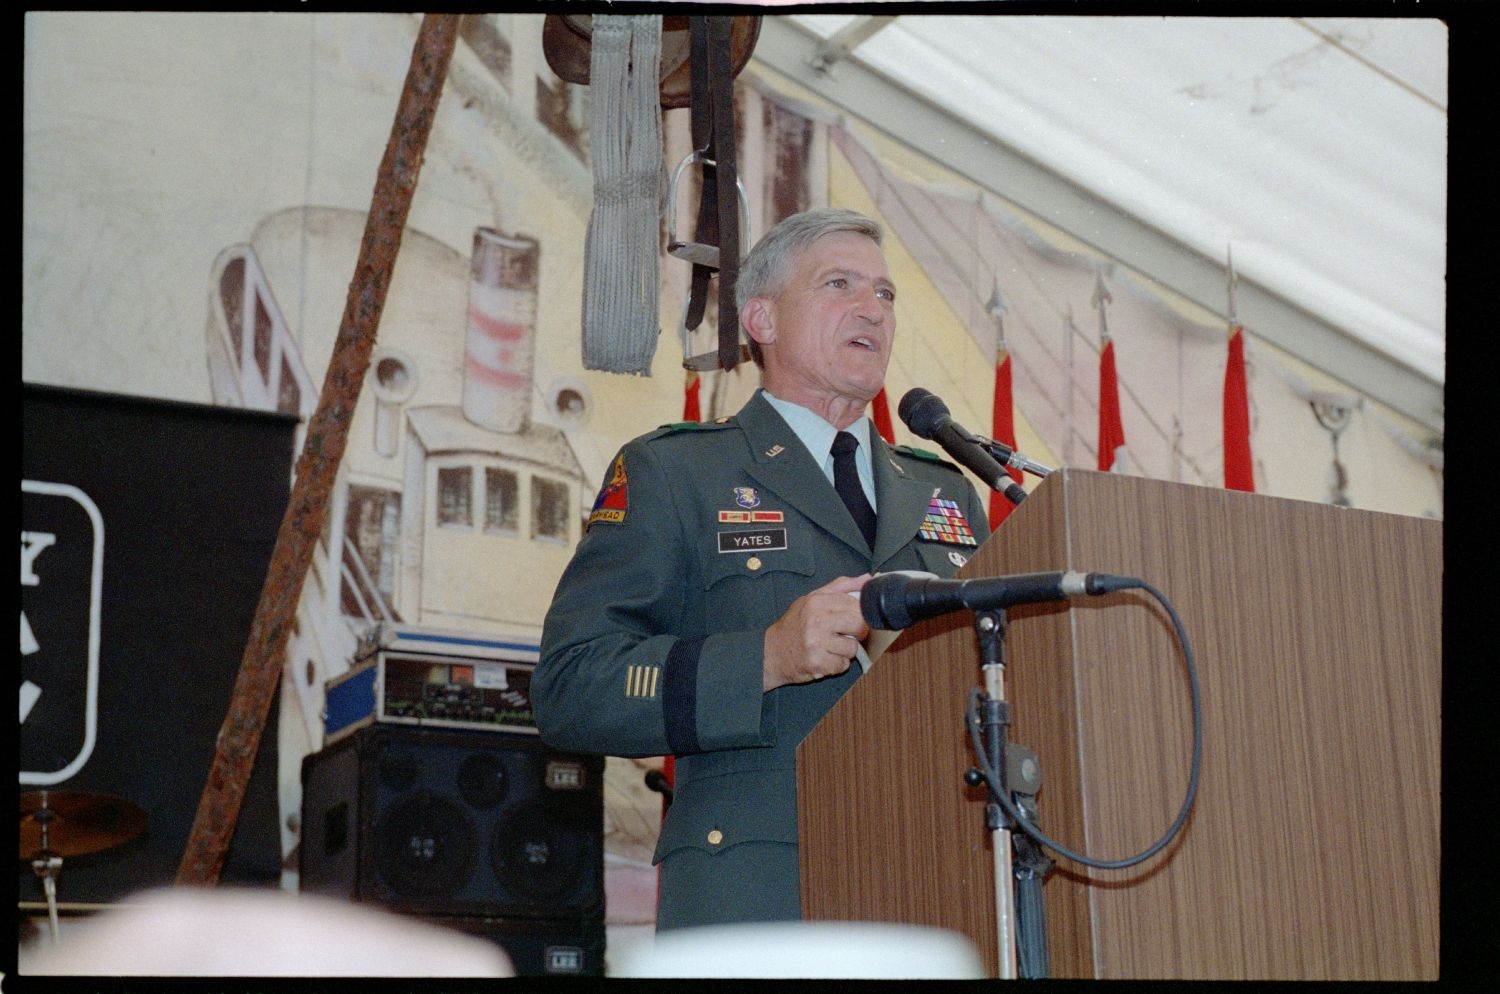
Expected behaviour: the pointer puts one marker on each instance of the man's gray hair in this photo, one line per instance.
(764, 271)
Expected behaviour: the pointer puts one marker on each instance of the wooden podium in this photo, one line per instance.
(1312, 851)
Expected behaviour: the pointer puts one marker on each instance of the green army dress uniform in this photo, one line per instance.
(700, 539)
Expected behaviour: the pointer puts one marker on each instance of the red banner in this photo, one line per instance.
(690, 390)
(880, 413)
(1002, 429)
(1239, 471)
(1111, 431)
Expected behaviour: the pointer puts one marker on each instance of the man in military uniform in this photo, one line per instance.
(707, 612)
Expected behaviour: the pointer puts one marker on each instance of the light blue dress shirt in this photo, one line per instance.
(818, 436)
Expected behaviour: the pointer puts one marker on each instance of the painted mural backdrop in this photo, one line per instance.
(195, 193)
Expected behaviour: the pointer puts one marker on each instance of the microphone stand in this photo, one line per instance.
(1020, 922)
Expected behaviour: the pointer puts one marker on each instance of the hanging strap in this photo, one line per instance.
(706, 230)
(718, 207)
(721, 91)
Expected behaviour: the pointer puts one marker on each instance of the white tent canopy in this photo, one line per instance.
(1313, 149)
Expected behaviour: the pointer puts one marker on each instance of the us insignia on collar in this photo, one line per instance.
(945, 523)
(613, 501)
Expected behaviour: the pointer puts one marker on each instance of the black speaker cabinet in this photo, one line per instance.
(455, 823)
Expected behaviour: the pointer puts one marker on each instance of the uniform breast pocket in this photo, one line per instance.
(750, 589)
(716, 813)
(931, 557)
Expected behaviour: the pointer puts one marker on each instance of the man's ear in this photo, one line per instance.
(758, 321)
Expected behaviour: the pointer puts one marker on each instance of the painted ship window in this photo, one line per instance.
(289, 395)
(372, 532)
(262, 339)
(549, 509)
(455, 497)
(502, 501)
(791, 135)
(487, 37)
(232, 297)
(563, 110)
(262, 369)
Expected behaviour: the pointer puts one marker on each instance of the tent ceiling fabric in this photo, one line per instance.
(1314, 148)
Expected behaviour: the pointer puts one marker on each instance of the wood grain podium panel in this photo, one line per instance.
(1312, 851)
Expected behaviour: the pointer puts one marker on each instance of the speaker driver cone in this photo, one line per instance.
(425, 846)
(482, 780)
(536, 857)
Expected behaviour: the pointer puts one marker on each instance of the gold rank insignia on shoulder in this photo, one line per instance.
(613, 500)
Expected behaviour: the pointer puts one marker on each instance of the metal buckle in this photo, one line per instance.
(696, 252)
(700, 255)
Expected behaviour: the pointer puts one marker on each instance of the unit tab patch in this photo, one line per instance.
(613, 500)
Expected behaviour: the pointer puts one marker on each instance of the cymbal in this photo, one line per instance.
(77, 822)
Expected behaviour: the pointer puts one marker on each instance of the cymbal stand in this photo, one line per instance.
(47, 865)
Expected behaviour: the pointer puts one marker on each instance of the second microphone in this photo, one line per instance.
(929, 418)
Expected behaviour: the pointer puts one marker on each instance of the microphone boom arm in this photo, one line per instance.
(1011, 458)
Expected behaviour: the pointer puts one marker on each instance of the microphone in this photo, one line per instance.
(894, 601)
(928, 418)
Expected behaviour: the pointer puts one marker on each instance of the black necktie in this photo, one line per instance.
(846, 482)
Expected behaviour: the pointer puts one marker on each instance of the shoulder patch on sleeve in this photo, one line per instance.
(613, 500)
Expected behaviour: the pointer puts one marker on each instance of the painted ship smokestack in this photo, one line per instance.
(500, 340)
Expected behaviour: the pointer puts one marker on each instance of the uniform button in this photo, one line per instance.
(753, 563)
(715, 837)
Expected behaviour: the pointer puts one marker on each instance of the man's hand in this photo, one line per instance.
(817, 636)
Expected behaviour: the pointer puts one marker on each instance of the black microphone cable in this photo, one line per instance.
(992, 776)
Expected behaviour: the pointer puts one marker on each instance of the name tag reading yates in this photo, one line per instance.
(760, 540)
